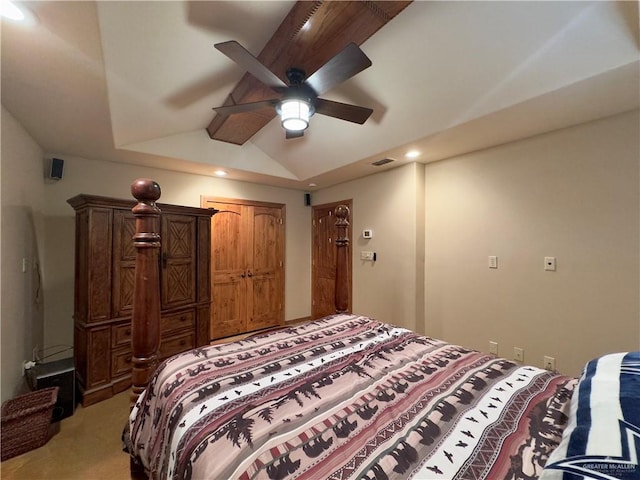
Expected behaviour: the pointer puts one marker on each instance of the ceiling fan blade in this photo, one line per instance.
(343, 111)
(350, 61)
(291, 134)
(245, 107)
(251, 64)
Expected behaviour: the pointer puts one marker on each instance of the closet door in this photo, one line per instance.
(228, 308)
(265, 286)
(247, 266)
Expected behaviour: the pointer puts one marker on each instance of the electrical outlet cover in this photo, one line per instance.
(518, 354)
(549, 363)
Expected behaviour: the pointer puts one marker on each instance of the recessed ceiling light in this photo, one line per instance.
(412, 154)
(313, 185)
(16, 13)
(220, 173)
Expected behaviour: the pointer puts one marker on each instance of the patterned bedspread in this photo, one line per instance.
(347, 397)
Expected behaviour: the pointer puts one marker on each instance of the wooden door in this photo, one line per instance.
(228, 310)
(323, 270)
(265, 253)
(247, 266)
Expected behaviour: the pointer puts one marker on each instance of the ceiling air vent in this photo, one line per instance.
(384, 161)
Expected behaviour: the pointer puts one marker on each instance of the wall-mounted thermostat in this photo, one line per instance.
(367, 233)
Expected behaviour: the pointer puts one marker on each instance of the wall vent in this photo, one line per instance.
(384, 161)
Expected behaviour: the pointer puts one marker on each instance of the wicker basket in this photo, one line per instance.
(26, 420)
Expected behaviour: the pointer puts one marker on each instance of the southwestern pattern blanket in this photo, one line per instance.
(346, 397)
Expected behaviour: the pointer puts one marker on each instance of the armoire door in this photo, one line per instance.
(124, 262)
(323, 263)
(247, 266)
(178, 257)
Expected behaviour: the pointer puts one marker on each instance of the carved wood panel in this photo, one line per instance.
(124, 262)
(178, 275)
(99, 258)
(99, 364)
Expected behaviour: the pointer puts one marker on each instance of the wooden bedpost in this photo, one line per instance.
(145, 322)
(342, 259)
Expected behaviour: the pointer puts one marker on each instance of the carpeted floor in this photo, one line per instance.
(86, 446)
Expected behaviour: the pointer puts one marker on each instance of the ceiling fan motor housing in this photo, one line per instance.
(299, 90)
(297, 105)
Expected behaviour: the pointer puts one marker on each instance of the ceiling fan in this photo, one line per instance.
(300, 99)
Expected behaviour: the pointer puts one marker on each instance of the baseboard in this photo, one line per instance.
(295, 321)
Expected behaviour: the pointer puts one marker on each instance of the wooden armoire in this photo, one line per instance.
(104, 281)
(247, 265)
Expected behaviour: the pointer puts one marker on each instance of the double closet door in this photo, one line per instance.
(247, 266)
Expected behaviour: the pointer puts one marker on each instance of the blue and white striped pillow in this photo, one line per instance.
(602, 438)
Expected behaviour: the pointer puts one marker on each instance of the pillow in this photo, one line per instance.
(602, 438)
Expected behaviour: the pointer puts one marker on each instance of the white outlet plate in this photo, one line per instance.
(518, 354)
(493, 261)
(493, 348)
(549, 363)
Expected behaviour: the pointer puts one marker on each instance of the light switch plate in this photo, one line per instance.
(365, 255)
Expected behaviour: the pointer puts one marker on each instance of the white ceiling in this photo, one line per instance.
(135, 82)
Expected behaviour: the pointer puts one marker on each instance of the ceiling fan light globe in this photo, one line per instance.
(294, 114)
(295, 124)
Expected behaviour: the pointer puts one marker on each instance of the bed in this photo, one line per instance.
(342, 397)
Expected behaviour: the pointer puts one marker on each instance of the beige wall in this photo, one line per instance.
(22, 199)
(572, 194)
(391, 204)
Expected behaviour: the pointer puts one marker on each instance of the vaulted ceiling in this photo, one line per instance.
(135, 82)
